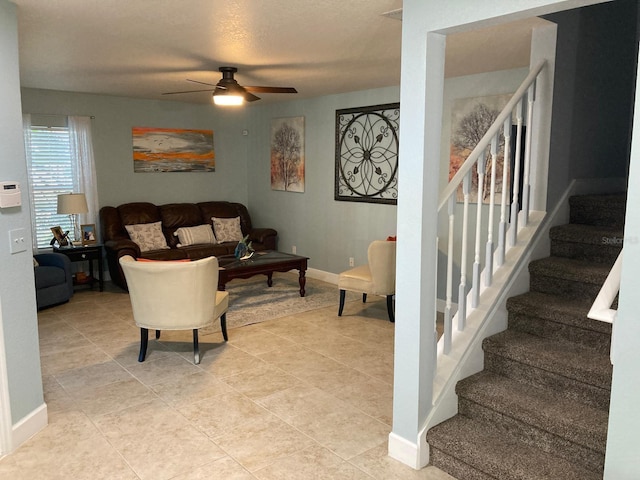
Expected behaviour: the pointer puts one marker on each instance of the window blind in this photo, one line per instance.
(51, 173)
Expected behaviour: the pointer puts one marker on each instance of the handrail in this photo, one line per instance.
(601, 309)
(486, 139)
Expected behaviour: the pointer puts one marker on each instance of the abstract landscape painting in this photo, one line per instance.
(172, 150)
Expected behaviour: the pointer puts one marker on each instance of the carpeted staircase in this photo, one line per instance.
(539, 410)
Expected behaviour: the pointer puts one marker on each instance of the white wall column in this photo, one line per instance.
(421, 98)
(621, 460)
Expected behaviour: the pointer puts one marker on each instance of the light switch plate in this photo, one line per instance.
(17, 241)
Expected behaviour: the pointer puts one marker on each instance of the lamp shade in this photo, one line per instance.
(72, 203)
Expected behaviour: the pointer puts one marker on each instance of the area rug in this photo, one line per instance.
(253, 301)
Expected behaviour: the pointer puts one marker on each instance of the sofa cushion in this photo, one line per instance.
(138, 212)
(227, 229)
(195, 235)
(148, 236)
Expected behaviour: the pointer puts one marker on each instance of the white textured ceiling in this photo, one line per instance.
(142, 48)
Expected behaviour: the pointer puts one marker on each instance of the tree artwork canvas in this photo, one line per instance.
(287, 154)
(470, 120)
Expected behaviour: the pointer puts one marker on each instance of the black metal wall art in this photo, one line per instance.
(367, 154)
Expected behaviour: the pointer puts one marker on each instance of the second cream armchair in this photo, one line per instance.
(378, 277)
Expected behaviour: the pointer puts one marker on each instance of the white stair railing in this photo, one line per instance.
(486, 152)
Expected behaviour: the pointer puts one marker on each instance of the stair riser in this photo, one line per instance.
(589, 216)
(582, 251)
(566, 387)
(455, 467)
(584, 292)
(585, 453)
(540, 327)
(608, 211)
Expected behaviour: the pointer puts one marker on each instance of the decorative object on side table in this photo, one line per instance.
(59, 236)
(88, 233)
(243, 250)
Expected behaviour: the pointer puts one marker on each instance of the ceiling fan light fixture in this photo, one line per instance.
(226, 98)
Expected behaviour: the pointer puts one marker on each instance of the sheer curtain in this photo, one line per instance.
(84, 166)
(26, 129)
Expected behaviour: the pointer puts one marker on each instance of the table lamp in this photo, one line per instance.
(73, 204)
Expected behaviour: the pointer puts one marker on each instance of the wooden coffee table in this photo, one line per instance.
(265, 262)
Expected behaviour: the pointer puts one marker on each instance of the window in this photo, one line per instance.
(59, 160)
(51, 173)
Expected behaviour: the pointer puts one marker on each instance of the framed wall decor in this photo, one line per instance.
(88, 233)
(287, 154)
(172, 150)
(470, 119)
(367, 144)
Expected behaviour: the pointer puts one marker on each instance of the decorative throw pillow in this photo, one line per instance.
(227, 229)
(148, 236)
(195, 235)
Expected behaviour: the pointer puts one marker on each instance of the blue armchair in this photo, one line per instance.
(54, 281)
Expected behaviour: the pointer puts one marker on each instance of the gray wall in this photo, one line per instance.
(593, 93)
(327, 231)
(111, 129)
(17, 293)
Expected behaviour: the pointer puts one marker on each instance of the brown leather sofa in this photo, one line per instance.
(117, 242)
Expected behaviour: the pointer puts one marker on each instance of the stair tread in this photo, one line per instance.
(556, 308)
(541, 408)
(570, 269)
(560, 357)
(500, 456)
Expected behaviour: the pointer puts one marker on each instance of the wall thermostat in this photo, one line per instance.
(10, 195)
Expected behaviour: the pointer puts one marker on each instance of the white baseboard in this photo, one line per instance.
(29, 425)
(323, 276)
(415, 455)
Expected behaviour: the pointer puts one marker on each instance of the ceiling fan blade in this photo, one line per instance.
(271, 89)
(202, 83)
(190, 91)
(250, 97)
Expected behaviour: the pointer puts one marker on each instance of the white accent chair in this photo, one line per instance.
(170, 295)
(376, 278)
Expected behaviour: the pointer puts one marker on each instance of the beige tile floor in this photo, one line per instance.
(301, 397)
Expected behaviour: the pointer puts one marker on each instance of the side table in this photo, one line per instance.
(86, 253)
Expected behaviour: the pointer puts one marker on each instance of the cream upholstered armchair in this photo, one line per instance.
(376, 278)
(176, 295)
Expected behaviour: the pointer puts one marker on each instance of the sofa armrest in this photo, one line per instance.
(265, 236)
(123, 245)
(53, 260)
(114, 250)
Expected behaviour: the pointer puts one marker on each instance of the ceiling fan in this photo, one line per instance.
(229, 92)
